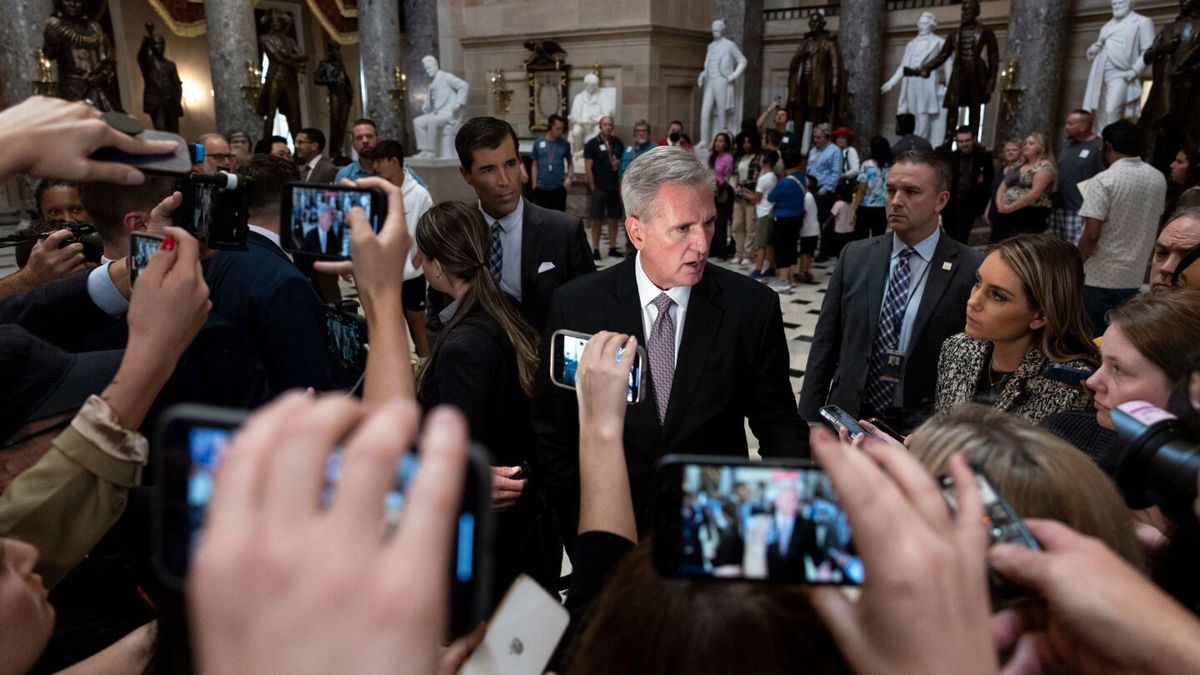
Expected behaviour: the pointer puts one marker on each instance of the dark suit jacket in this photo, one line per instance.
(841, 347)
(790, 567)
(62, 313)
(732, 365)
(983, 172)
(547, 236)
(323, 172)
(262, 292)
(333, 241)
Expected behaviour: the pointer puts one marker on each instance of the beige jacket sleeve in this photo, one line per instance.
(65, 503)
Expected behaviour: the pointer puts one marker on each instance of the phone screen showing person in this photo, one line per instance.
(195, 438)
(141, 248)
(567, 348)
(315, 217)
(730, 518)
(346, 337)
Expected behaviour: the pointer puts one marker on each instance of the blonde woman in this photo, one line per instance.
(1023, 199)
(1025, 314)
(1010, 158)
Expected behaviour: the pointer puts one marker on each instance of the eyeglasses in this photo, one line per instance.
(220, 156)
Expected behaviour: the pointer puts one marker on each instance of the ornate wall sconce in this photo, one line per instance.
(253, 86)
(399, 88)
(503, 95)
(47, 82)
(1010, 89)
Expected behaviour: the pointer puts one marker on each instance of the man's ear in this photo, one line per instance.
(634, 229)
(135, 221)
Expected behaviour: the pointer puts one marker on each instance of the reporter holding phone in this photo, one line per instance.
(1024, 314)
(484, 362)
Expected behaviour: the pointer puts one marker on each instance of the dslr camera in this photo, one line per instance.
(1156, 459)
(215, 209)
(81, 233)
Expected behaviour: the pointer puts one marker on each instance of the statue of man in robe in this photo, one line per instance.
(587, 109)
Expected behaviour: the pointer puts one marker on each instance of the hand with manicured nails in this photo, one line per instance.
(924, 606)
(1094, 612)
(53, 138)
(170, 301)
(281, 585)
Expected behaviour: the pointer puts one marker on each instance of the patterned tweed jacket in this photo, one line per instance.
(1026, 394)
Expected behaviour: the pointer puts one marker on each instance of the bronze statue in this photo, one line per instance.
(83, 54)
(1169, 120)
(974, 75)
(331, 73)
(164, 91)
(815, 76)
(281, 91)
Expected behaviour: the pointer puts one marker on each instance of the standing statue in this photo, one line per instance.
(587, 108)
(921, 96)
(1117, 65)
(815, 76)
(441, 113)
(973, 77)
(286, 59)
(331, 73)
(723, 65)
(1169, 121)
(164, 91)
(83, 54)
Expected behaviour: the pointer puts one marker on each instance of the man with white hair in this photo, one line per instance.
(723, 65)
(714, 339)
(587, 109)
(447, 96)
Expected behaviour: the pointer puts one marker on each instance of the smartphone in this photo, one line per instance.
(142, 247)
(190, 440)
(733, 518)
(176, 163)
(215, 209)
(346, 338)
(1003, 524)
(1067, 375)
(886, 428)
(840, 419)
(565, 349)
(313, 217)
(522, 633)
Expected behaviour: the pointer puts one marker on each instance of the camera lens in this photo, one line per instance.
(1159, 459)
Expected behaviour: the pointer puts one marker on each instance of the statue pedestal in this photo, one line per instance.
(443, 178)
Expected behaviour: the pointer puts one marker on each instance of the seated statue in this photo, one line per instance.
(441, 112)
(587, 108)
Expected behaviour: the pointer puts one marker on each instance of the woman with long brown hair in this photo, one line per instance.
(483, 362)
(1024, 315)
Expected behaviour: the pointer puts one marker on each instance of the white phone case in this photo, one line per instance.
(522, 633)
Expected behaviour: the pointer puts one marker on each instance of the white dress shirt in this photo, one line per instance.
(511, 227)
(312, 164)
(647, 292)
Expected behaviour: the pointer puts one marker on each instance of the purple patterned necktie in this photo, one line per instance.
(662, 354)
(887, 337)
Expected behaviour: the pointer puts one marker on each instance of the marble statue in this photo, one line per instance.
(441, 113)
(723, 65)
(79, 48)
(286, 59)
(1170, 114)
(921, 96)
(162, 97)
(815, 76)
(1117, 66)
(331, 74)
(587, 108)
(973, 75)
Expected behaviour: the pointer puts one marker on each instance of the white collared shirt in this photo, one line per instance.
(647, 292)
(416, 202)
(510, 245)
(312, 164)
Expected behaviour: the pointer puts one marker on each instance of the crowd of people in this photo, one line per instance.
(1019, 360)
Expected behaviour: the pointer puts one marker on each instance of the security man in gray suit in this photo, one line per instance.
(891, 302)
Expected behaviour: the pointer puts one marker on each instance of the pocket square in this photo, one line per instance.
(545, 267)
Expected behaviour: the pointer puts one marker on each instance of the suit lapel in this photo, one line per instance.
(532, 235)
(878, 260)
(941, 270)
(700, 329)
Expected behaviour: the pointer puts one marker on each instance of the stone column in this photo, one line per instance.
(421, 40)
(860, 39)
(1037, 37)
(744, 25)
(232, 41)
(21, 35)
(379, 44)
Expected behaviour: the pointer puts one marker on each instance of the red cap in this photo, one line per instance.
(842, 131)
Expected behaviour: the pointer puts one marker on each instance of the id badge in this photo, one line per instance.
(893, 364)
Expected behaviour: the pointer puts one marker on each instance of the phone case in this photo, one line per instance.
(522, 633)
(555, 358)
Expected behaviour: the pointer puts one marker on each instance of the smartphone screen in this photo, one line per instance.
(141, 248)
(840, 419)
(731, 518)
(196, 437)
(346, 337)
(314, 217)
(215, 209)
(566, 350)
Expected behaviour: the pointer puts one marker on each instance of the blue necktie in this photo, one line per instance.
(496, 259)
(887, 337)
